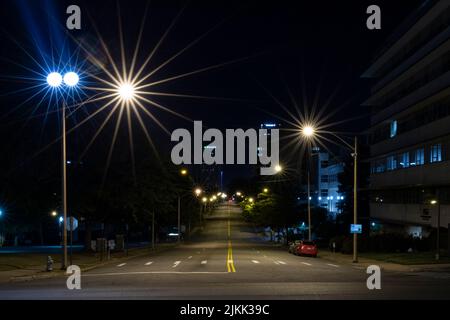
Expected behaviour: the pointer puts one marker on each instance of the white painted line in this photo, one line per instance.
(306, 263)
(151, 272)
(276, 262)
(121, 265)
(333, 265)
(190, 257)
(282, 262)
(255, 261)
(176, 263)
(149, 263)
(204, 262)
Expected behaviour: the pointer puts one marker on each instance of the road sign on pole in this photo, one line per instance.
(356, 228)
(72, 224)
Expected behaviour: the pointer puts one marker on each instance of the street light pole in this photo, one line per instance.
(179, 218)
(153, 230)
(355, 199)
(309, 210)
(438, 224)
(64, 188)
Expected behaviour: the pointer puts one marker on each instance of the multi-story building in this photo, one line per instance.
(410, 124)
(324, 189)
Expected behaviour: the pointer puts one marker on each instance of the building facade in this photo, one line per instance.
(410, 124)
(324, 181)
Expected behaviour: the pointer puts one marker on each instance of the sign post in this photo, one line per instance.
(73, 224)
(356, 228)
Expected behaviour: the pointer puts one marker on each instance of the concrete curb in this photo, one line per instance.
(364, 262)
(60, 273)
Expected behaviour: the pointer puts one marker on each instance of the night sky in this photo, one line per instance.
(308, 47)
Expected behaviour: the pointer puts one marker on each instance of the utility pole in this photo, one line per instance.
(438, 224)
(179, 219)
(71, 239)
(64, 187)
(355, 200)
(153, 230)
(309, 210)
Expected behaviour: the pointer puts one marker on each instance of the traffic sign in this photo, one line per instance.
(72, 222)
(356, 228)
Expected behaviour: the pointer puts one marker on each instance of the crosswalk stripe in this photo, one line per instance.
(282, 262)
(255, 261)
(306, 263)
(176, 263)
(149, 263)
(333, 265)
(190, 257)
(204, 262)
(121, 265)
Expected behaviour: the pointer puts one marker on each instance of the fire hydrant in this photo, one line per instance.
(49, 264)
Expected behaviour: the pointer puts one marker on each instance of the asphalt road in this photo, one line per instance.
(228, 261)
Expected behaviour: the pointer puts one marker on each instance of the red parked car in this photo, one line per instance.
(307, 248)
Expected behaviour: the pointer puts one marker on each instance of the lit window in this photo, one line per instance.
(391, 163)
(381, 167)
(436, 153)
(404, 160)
(393, 128)
(419, 158)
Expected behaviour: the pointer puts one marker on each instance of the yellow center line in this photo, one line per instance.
(230, 262)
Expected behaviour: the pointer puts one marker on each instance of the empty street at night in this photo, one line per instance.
(199, 270)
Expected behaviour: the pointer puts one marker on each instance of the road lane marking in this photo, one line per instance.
(190, 257)
(204, 262)
(149, 263)
(307, 264)
(150, 272)
(121, 265)
(333, 265)
(230, 262)
(255, 261)
(276, 262)
(176, 263)
(281, 262)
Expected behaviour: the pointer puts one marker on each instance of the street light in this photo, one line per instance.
(198, 191)
(238, 194)
(54, 213)
(250, 200)
(434, 202)
(308, 131)
(278, 168)
(126, 91)
(183, 172)
(71, 79)
(265, 190)
(55, 80)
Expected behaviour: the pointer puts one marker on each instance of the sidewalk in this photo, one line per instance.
(26, 267)
(365, 262)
